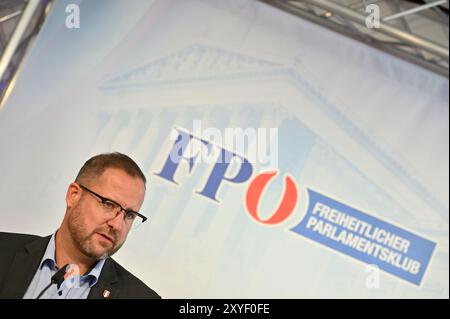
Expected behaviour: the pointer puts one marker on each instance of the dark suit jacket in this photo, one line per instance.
(20, 256)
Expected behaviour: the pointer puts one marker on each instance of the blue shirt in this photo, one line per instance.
(75, 287)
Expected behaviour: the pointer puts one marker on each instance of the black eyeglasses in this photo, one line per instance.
(113, 209)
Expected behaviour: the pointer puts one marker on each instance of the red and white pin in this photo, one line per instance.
(106, 293)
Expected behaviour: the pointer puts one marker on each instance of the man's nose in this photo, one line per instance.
(117, 221)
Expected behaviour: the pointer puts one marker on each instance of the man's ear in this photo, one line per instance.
(73, 195)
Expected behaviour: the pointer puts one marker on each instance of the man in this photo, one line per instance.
(101, 207)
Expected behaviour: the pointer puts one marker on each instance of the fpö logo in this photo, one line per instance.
(327, 221)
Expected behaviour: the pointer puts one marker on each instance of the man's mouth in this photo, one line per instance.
(109, 238)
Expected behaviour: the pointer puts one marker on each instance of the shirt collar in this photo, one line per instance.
(49, 261)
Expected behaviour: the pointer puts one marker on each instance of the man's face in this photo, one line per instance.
(96, 234)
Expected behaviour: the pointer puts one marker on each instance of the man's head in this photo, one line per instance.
(96, 225)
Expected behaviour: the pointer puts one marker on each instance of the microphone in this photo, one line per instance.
(57, 279)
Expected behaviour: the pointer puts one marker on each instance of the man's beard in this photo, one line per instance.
(83, 240)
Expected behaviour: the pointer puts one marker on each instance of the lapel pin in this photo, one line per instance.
(106, 293)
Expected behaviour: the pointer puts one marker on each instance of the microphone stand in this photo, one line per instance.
(57, 279)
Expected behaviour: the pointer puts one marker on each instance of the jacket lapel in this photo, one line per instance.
(27, 260)
(107, 286)
(23, 268)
